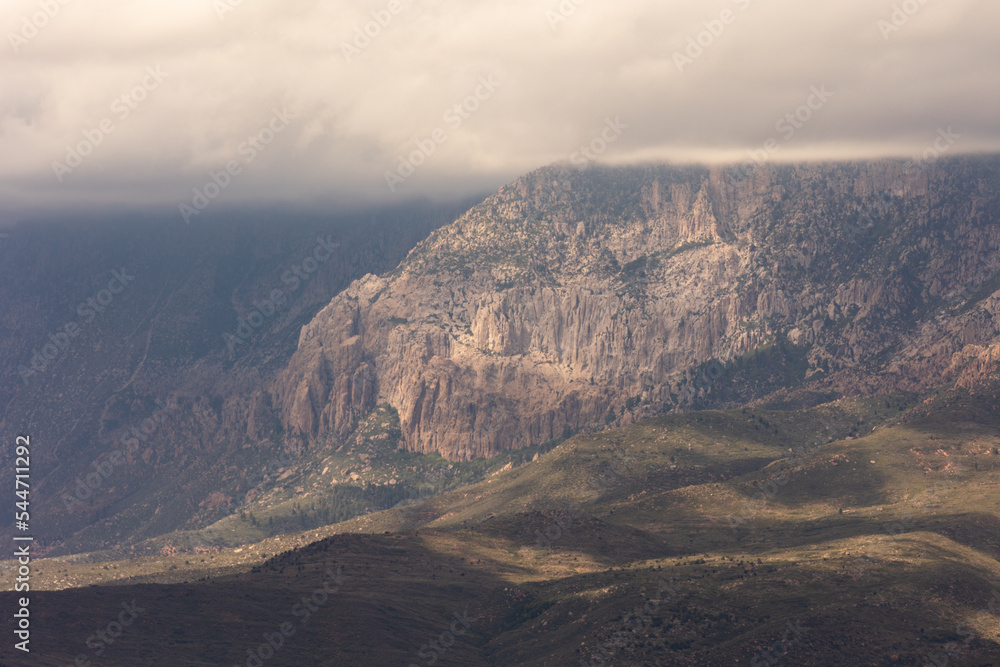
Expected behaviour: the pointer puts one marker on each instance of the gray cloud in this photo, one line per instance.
(563, 69)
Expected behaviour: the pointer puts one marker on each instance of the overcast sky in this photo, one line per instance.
(535, 81)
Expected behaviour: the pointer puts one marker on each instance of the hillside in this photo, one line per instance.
(574, 299)
(859, 532)
(568, 302)
(159, 394)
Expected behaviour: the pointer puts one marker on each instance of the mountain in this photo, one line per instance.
(644, 415)
(145, 394)
(575, 299)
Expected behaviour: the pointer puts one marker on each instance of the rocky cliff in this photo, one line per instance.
(571, 299)
(185, 331)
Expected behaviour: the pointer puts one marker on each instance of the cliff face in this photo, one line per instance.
(164, 339)
(571, 299)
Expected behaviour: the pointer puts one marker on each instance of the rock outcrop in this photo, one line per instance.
(571, 299)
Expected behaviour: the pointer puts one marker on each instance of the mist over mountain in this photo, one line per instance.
(571, 300)
(562, 423)
(106, 322)
(508, 334)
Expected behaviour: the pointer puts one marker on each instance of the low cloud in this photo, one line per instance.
(368, 81)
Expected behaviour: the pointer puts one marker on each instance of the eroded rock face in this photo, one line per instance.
(570, 298)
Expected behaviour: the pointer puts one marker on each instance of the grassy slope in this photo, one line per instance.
(883, 549)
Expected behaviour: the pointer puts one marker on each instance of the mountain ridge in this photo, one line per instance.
(573, 298)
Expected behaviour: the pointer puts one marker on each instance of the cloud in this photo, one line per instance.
(694, 81)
